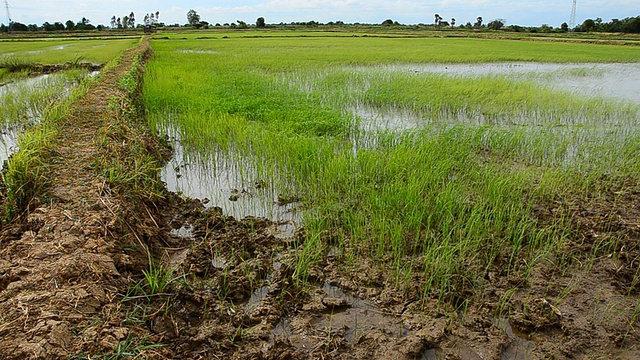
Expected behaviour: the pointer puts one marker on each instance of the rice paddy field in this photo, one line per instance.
(18, 57)
(328, 195)
(35, 75)
(393, 157)
(456, 171)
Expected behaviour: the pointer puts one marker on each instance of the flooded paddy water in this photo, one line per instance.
(231, 183)
(352, 305)
(227, 182)
(25, 101)
(614, 81)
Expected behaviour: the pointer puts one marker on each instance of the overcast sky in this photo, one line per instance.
(524, 12)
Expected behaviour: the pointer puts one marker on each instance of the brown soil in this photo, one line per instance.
(40, 69)
(72, 281)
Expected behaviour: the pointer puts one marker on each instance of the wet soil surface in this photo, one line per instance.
(93, 272)
(39, 69)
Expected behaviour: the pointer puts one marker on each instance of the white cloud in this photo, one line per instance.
(372, 11)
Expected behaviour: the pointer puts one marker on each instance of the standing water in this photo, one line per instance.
(228, 182)
(616, 81)
(23, 103)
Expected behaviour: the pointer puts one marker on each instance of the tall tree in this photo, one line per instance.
(48, 26)
(113, 21)
(438, 18)
(132, 20)
(193, 18)
(478, 23)
(70, 25)
(496, 24)
(125, 22)
(260, 22)
(588, 25)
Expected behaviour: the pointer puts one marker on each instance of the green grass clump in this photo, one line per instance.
(26, 173)
(131, 170)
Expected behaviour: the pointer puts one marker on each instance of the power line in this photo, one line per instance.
(572, 20)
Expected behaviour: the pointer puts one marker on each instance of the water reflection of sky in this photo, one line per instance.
(220, 178)
(227, 181)
(619, 81)
(9, 133)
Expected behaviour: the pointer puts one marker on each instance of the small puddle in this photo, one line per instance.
(283, 230)
(231, 184)
(256, 297)
(198, 52)
(342, 315)
(185, 232)
(520, 348)
(432, 354)
(219, 262)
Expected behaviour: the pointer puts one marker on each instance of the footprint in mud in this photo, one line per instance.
(332, 312)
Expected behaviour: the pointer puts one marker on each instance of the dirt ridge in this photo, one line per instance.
(59, 263)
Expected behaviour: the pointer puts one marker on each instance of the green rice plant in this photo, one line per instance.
(129, 348)
(453, 190)
(15, 64)
(502, 308)
(63, 50)
(310, 254)
(633, 320)
(157, 279)
(26, 102)
(27, 172)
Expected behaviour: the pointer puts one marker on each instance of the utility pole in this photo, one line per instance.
(572, 20)
(6, 6)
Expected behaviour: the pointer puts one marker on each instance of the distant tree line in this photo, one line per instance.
(626, 25)
(151, 20)
(126, 22)
(83, 25)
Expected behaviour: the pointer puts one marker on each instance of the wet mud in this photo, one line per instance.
(41, 69)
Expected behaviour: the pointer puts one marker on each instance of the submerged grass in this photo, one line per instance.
(36, 109)
(24, 102)
(450, 198)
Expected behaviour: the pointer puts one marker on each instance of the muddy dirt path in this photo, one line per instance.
(110, 265)
(61, 266)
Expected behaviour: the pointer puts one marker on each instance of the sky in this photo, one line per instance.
(524, 13)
